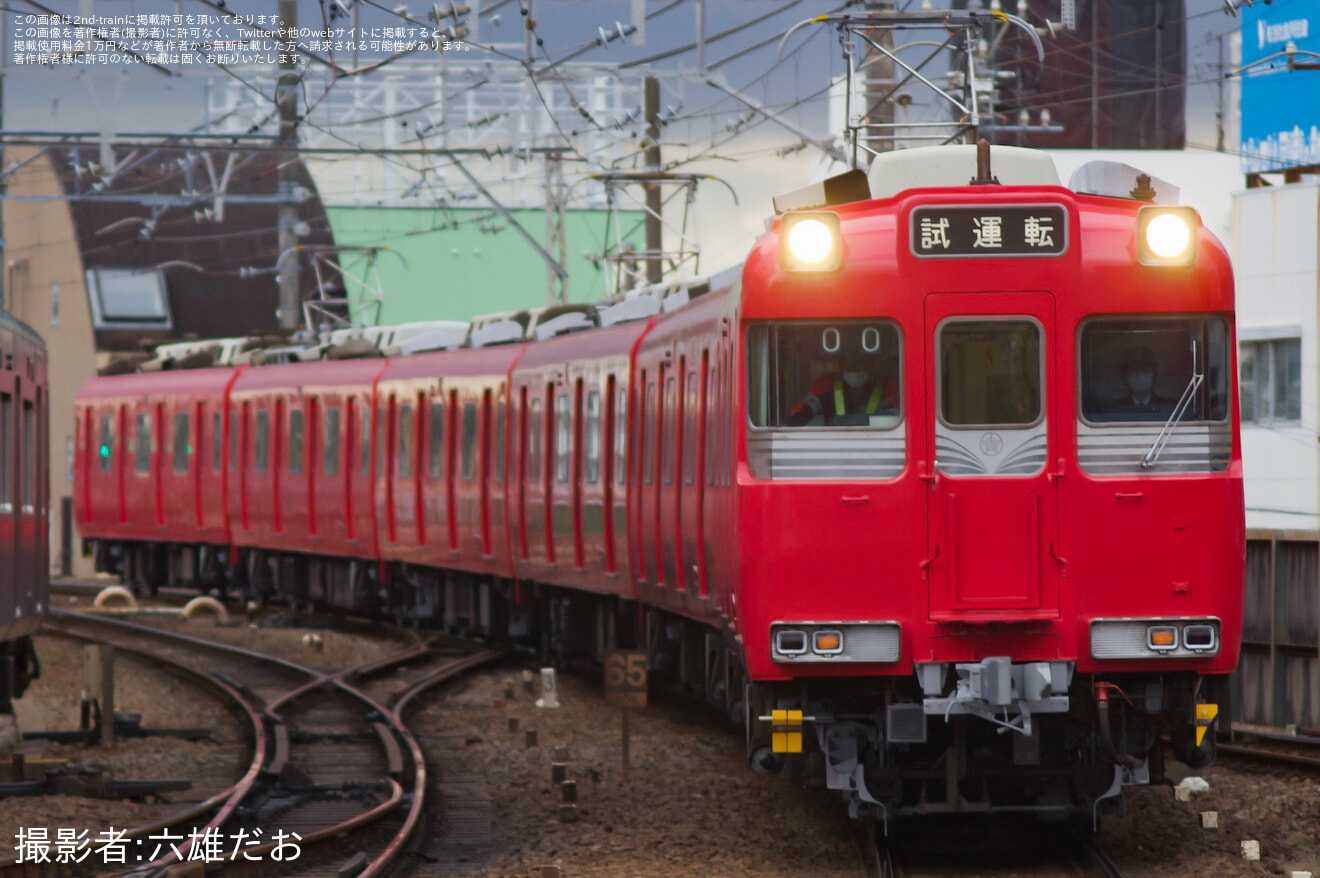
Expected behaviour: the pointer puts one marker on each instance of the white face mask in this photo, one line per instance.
(1141, 382)
(854, 379)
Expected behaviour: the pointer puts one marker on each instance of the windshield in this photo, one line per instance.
(824, 374)
(1137, 369)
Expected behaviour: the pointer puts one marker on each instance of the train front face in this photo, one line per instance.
(991, 519)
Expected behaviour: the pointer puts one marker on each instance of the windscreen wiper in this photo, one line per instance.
(1184, 401)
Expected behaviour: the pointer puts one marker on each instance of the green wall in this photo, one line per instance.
(455, 270)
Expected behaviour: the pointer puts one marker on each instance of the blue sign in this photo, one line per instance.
(1280, 107)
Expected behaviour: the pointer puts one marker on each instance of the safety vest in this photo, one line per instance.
(841, 404)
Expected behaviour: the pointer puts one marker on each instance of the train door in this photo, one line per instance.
(992, 511)
(645, 483)
(576, 450)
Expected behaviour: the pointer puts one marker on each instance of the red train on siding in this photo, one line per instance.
(939, 493)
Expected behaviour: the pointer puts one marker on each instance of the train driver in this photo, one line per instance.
(1139, 374)
(848, 394)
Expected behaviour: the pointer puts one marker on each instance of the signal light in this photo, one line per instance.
(1166, 235)
(810, 241)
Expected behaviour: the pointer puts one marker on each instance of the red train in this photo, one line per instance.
(24, 512)
(940, 492)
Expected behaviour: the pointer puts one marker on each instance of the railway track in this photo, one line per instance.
(334, 783)
(956, 848)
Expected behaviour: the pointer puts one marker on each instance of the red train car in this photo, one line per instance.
(24, 503)
(939, 493)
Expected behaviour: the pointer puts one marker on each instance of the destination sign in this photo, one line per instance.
(946, 230)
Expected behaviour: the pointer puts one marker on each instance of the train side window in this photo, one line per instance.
(295, 441)
(818, 374)
(691, 414)
(182, 447)
(436, 450)
(6, 451)
(534, 443)
(404, 463)
(670, 428)
(29, 456)
(233, 440)
(330, 452)
(365, 441)
(262, 443)
(990, 373)
(648, 434)
(563, 438)
(107, 446)
(469, 440)
(217, 442)
(593, 436)
(1137, 369)
(142, 444)
(621, 438)
(712, 424)
(499, 442)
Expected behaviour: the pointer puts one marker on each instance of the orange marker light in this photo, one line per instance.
(1163, 638)
(827, 642)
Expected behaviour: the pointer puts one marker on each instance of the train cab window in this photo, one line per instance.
(563, 438)
(106, 450)
(469, 440)
(295, 441)
(330, 451)
(838, 374)
(1138, 370)
(621, 438)
(593, 437)
(436, 449)
(404, 463)
(499, 443)
(262, 441)
(990, 373)
(142, 444)
(534, 443)
(182, 447)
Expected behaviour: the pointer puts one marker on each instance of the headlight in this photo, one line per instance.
(1166, 235)
(809, 241)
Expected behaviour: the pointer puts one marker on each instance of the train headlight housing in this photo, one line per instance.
(1154, 638)
(1166, 235)
(834, 642)
(810, 241)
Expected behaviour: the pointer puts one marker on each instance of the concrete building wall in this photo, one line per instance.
(1276, 257)
(46, 288)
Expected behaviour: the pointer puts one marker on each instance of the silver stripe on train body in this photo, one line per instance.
(835, 453)
(1118, 450)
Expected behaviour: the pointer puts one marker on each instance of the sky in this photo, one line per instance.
(752, 44)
